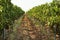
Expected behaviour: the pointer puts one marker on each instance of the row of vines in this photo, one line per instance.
(49, 14)
(8, 13)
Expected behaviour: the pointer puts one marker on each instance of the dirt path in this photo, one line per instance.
(28, 31)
